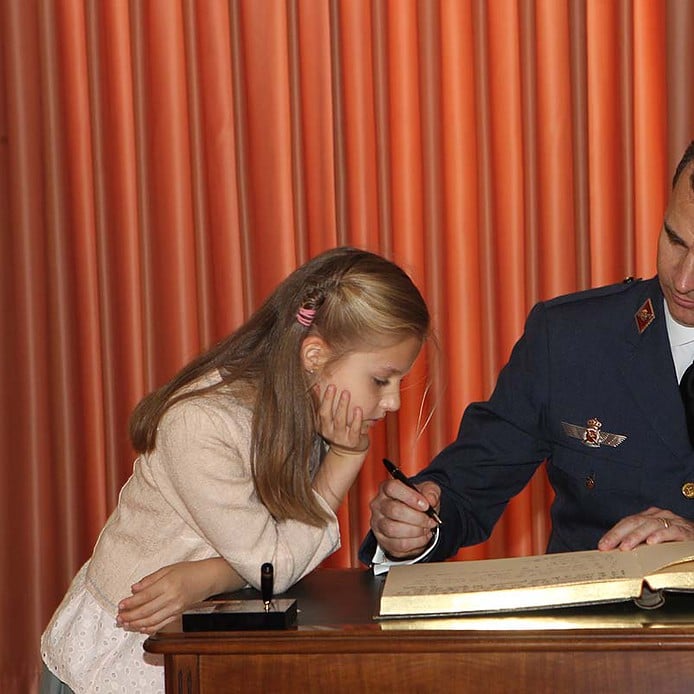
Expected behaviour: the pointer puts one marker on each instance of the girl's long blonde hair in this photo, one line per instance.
(359, 298)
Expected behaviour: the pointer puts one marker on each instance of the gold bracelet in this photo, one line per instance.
(343, 451)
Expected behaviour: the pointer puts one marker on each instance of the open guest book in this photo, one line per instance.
(538, 582)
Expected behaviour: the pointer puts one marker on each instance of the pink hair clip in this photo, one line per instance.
(305, 316)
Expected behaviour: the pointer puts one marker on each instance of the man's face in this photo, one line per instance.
(676, 251)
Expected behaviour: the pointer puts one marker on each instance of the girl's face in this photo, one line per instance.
(372, 378)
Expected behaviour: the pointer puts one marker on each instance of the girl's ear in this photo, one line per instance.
(314, 353)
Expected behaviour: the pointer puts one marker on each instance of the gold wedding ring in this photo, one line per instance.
(665, 522)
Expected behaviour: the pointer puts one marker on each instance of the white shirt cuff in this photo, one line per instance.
(381, 563)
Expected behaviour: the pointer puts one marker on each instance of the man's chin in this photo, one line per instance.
(682, 310)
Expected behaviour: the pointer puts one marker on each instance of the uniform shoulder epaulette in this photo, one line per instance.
(595, 292)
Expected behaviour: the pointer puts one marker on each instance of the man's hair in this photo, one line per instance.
(687, 158)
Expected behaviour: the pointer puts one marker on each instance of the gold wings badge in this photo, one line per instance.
(591, 434)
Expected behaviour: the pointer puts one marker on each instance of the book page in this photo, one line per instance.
(529, 582)
(653, 558)
(493, 585)
(513, 573)
(675, 577)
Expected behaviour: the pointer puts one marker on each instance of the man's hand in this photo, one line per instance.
(398, 518)
(651, 526)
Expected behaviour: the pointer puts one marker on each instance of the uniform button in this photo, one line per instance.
(688, 490)
(590, 483)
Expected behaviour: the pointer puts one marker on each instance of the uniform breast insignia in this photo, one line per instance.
(591, 434)
(644, 316)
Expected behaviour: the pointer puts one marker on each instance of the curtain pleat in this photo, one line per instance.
(358, 128)
(579, 138)
(27, 264)
(507, 240)
(111, 132)
(679, 102)
(429, 31)
(268, 125)
(459, 317)
(555, 253)
(74, 374)
(650, 131)
(163, 165)
(606, 140)
(220, 272)
(314, 75)
(167, 242)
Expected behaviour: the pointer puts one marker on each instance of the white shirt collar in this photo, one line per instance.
(681, 339)
(678, 334)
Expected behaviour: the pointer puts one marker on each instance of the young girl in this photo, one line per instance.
(244, 457)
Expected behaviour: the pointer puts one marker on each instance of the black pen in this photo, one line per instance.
(397, 474)
(267, 577)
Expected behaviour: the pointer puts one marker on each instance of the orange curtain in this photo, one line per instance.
(163, 164)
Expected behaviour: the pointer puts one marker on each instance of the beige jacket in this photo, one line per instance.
(193, 498)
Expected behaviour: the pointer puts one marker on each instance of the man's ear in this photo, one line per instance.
(314, 353)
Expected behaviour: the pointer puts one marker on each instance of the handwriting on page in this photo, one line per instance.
(453, 577)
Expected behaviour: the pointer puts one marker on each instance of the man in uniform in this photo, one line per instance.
(592, 388)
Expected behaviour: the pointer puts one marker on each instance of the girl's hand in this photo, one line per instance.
(161, 596)
(348, 446)
(341, 428)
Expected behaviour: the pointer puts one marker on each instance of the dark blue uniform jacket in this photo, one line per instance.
(582, 357)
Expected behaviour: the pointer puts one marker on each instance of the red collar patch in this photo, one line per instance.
(644, 316)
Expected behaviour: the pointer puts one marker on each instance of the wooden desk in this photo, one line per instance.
(338, 647)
